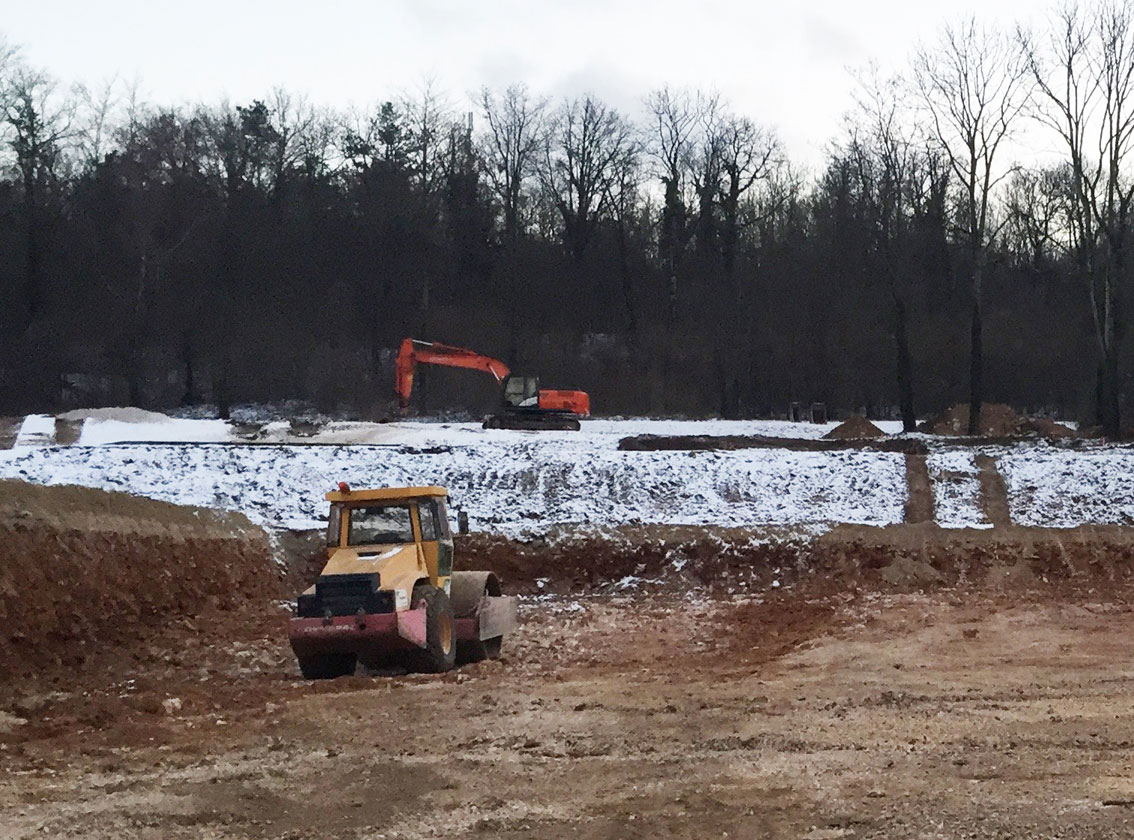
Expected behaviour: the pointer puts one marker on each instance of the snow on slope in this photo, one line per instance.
(515, 482)
(123, 425)
(97, 432)
(510, 486)
(36, 430)
(1063, 488)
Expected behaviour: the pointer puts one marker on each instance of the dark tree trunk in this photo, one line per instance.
(134, 375)
(1110, 404)
(627, 284)
(1100, 392)
(905, 367)
(976, 369)
(189, 396)
(221, 391)
(34, 255)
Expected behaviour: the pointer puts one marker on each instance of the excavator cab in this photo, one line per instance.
(521, 391)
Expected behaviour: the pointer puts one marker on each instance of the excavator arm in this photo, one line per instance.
(434, 353)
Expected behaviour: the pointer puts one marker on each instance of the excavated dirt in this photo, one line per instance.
(997, 421)
(919, 505)
(903, 682)
(639, 443)
(9, 431)
(89, 577)
(993, 491)
(855, 428)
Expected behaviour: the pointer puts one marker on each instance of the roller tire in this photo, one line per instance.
(468, 588)
(440, 651)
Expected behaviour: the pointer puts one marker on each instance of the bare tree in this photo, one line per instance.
(670, 144)
(974, 84)
(706, 168)
(428, 120)
(583, 154)
(1084, 71)
(1036, 201)
(40, 121)
(293, 120)
(95, 121)
(510, 145)
(883, 150)
(622, 197)
(748, 152)
(732, 155)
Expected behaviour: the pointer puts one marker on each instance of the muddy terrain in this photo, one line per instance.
(870, 683)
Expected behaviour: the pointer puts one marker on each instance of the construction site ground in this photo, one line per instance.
(887, 683)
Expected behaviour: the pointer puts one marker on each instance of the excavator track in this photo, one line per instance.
(533, 422)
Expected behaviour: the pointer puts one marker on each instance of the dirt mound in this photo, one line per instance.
(996, 420)
(853, 429)
(1047, 428)
(84, 572)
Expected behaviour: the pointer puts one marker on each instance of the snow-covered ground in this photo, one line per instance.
(522, 482)
(510, 486)
(102, 426)
(956, 489)
(1063, 488)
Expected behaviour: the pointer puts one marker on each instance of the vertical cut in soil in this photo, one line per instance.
(919, 504)
(993, 492)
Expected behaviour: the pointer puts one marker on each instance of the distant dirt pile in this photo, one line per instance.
(1046, 427)
(855, 428)
(84, 572)
(996, 420)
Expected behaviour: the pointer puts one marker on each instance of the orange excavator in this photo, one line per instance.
(524, 405)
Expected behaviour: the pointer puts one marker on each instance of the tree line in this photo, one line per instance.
(673, 261)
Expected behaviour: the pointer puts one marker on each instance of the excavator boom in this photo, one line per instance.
(434, 353)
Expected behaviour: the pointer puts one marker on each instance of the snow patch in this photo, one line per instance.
(1063, 488)
(36, 430)
(956, 489)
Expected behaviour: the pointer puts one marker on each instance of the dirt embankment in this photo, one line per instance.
(88, 577)
(847, 558)
(650, 443)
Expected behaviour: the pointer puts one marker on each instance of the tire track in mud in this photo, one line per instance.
(919, 503)
(993, 492)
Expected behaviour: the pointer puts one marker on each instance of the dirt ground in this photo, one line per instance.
(901, 715)
(874, 683)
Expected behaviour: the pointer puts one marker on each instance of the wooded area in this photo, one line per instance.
(674, 261)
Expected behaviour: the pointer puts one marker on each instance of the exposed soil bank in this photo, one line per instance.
(902, 682)
(720, 560)
(85, 573)
(649, 443)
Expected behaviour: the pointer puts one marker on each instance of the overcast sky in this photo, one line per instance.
(780, 63)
